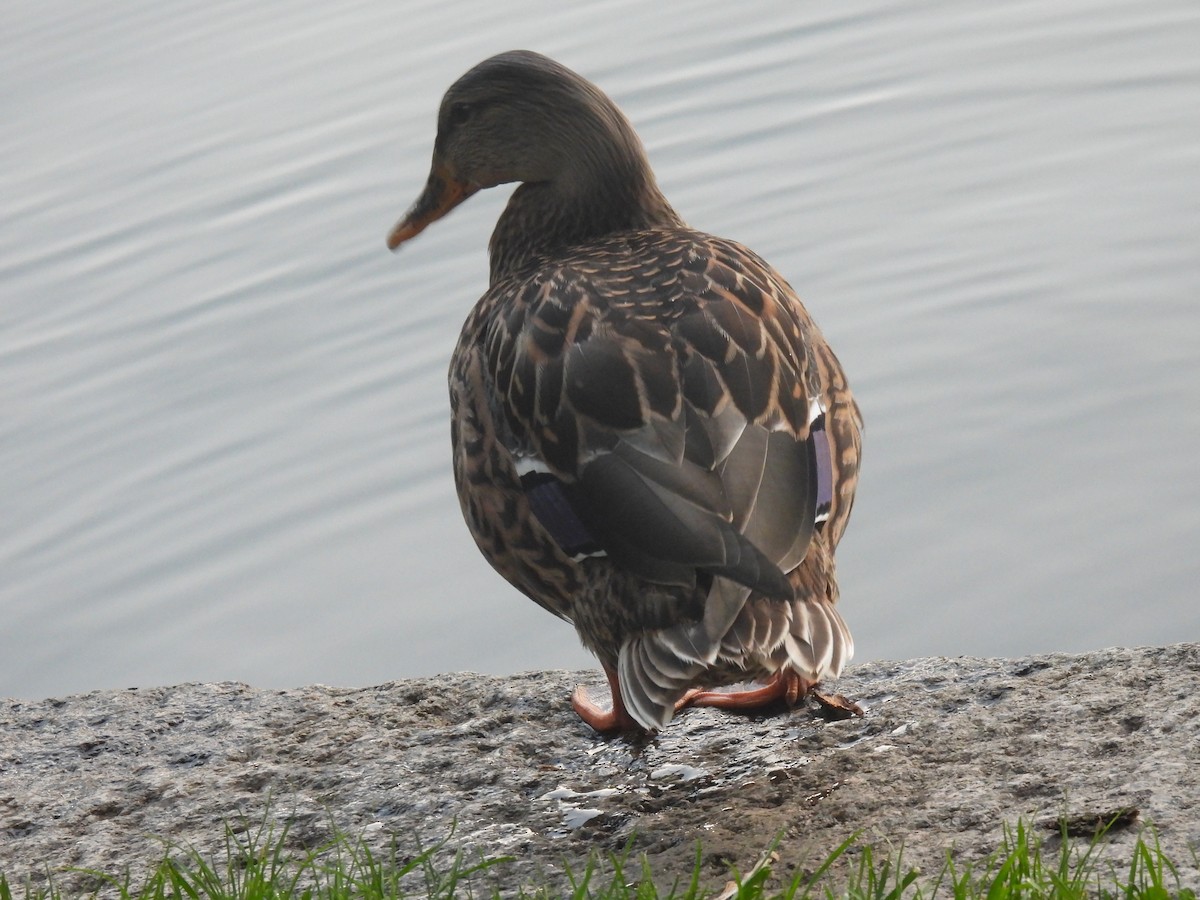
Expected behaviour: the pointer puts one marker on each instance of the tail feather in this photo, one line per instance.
(657, 668)
(818, 644)
(649, 692)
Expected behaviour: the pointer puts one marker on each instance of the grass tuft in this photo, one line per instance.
(257, 864)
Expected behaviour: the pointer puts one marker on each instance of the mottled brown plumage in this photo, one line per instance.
(651, 438)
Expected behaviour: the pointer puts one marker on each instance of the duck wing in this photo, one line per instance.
(658, 393)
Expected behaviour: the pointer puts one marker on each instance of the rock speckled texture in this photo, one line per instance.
(950, 750)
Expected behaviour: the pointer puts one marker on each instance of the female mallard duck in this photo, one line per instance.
(651, 438)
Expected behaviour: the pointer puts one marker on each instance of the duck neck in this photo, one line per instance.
(606, 188)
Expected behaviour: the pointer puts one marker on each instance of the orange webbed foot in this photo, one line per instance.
(785, 685)
(616, 719)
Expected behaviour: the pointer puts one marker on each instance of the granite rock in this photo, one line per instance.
(949, 752)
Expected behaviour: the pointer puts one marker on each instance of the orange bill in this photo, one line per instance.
(442, 193)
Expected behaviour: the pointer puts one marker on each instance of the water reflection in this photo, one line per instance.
(223, 453)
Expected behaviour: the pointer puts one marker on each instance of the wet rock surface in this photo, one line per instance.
(948, 753)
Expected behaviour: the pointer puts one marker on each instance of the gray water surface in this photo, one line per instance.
(223, 414)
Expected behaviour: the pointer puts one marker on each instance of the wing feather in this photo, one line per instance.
(675, 416)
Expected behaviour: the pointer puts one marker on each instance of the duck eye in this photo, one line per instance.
(459, 113)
